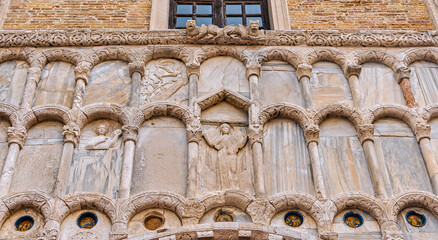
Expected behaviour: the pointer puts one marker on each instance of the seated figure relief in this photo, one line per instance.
(102, 141)
(227, 141)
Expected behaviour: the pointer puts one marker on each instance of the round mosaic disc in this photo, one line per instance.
(353, 220)
(415, 219)
(87, 220)
(24, 223)
(293, 219)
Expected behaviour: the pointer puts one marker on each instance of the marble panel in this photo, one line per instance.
(97, 161)
(225, 162)
(3, 142)
(136, 226)
(13, 76)
(400, 157)
(9, 231)
(423, 82)
(308, 226)
(286, 158)
(224, 112)
(329, 85)
(70, 230)
(161, 157)
(38, 162)
(223, 72)
(428, 231)
(109, 82)
(236, 214)
(342, 158)
(379, 85)
(57, 85)
(165, 80)
(370, 229)
(279, 83)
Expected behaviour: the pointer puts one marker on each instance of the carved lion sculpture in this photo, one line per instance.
(242, 32)
(202, 32)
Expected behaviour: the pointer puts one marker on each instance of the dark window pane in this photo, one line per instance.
(184, 9)
(203, 20)
(203, 9)
(234, 20)
(253, 9)
(233, 9)
(254, 19)
(181, 21)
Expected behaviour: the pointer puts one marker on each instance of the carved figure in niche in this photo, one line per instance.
(102, 141)
(227, 142)
(163, 78)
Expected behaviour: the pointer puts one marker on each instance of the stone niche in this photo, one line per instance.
(13, 76)
(279, 83)
(12, 229)
(160, 162)
(151, 220)
(223, 72)
(379, 85)
(361, 225)
(308, 225)
(57, 85)
(97, 161)
(71, 230)
(109, 82)
(400, 159)
(423, 82)
(342, 158)
(329, 85)
(3, 142)
(165, 80)
(38, 162)
(225, 214)
(417, 230)
(286, 158)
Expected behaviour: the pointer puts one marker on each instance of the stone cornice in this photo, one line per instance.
(269, 38)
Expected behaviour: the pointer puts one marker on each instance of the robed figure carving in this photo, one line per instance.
(227, 141)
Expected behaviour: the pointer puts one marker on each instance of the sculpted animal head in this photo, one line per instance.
(253, 27)
(191, 25)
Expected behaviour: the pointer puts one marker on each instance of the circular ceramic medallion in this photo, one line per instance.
(415, 219)
(353, 220)
(153, 222)
(87, 220)
(24, 223)
(293, 219)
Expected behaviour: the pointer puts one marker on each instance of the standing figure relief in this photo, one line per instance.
(102, 141)
(227, 141)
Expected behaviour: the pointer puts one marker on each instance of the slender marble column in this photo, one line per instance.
(353, 73)
(137, 72)
(130, 134)
(16, 138)
(71, 139)
(194, 73)
(82, 71)
(194, 136)
(304, 73)
(312, 136)
(33, 77)
(402, 75)
(256, 140)
(422, 133)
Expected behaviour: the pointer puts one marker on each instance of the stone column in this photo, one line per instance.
(353, 73)
(402, 76)
(130, 134)
(366, 137)
(33, 77)
(255, 135)
(304, 73)
(16, 138)
(194, 136)
(422, 133)
(136, 70)
(194, 74)
(82, 71)
(253, 75)
(312, 137)
(71, 139)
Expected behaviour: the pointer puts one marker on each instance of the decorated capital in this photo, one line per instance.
(130, 133)
(17, 135)
(71, 134)
(304, 70)
(136, 66)
(366, 132)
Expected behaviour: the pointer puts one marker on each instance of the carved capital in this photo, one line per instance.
(50, 231)
(366, 132)
(253, 70)
(255, 134)
(328, 235)
(304, 70)
(136, 66)
(422, 130)
(71, 134)
(353, 70)
(311, 134)
(194, 70)
(17, 135)
(130, 133)
(82, 71)
(194, 134)
(402, 73)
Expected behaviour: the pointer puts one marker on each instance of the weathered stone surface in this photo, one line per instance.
(12, 80)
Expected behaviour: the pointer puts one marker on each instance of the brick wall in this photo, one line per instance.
(359, 14)
(77, 14)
